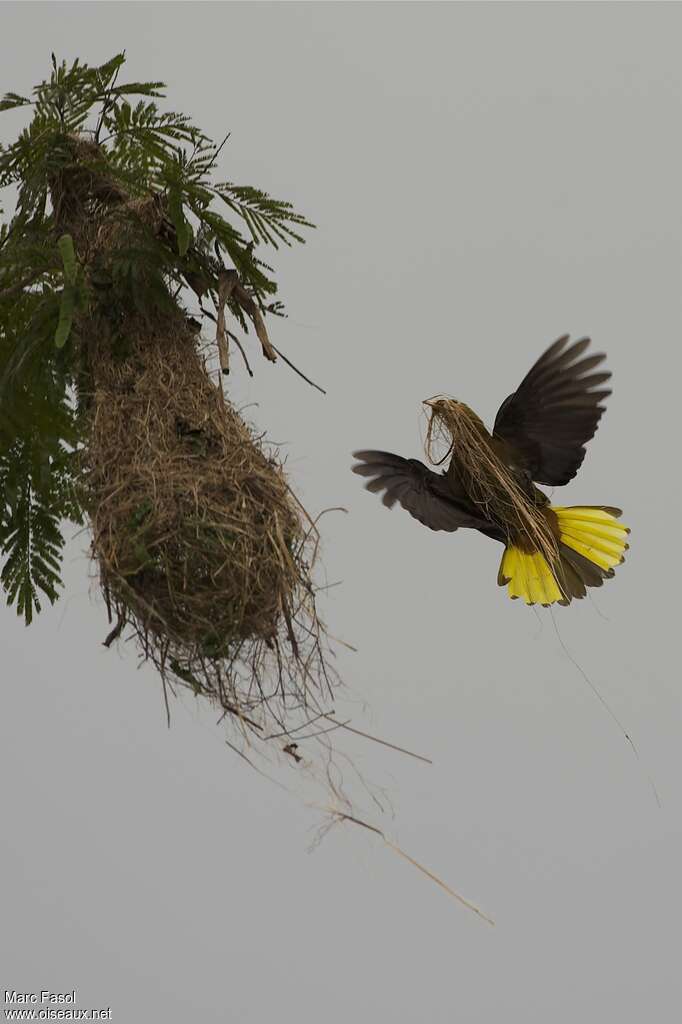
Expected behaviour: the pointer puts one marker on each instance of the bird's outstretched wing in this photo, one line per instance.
(554, 412)
(424, 494)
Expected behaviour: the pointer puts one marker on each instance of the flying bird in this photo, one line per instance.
(551, 553)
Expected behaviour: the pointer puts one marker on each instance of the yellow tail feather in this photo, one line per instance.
(594, 533)
(529, 576)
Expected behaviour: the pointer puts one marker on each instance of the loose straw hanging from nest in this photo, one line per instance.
(204, 554)
(202, 549)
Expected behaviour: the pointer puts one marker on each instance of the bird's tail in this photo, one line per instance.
(591, 544)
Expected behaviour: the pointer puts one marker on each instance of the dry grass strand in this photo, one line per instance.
(487, 480)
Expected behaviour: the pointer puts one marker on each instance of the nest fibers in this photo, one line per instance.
(486, 479)
(202, 548)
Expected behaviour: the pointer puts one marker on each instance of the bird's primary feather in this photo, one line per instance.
(552, 554)
(426, 495)
(554, 412)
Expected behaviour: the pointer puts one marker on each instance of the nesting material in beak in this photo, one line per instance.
(488, 482)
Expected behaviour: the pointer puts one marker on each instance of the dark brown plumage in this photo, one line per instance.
(539, 436)
(554, 412)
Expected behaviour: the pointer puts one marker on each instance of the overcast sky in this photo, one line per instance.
(484, 178)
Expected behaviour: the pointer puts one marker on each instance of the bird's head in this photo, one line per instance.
(447, 419)
(440, 404)
(450, 410)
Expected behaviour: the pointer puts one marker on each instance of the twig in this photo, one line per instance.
(232, 709)
(278, 352)
(289, 732)
(217, 153)
(239, 345)
(206, 312)
(299, 372)
(401, 750)
(107, 104)
(320, 732)
(342, 816)
(115, 632)
(20, 285)
(165, 698)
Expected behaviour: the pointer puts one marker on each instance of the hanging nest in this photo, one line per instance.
(202, 549)
(201, 546)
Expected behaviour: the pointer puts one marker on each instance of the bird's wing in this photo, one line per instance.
(424, 494)
(555, 411)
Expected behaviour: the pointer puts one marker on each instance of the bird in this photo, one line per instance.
(552, 553)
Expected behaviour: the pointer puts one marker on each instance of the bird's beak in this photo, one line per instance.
(430, 402)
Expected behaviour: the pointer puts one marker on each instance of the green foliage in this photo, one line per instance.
(92, 148)
(38, 439)
(35, 487)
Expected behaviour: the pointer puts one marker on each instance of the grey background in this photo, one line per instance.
(484, 179)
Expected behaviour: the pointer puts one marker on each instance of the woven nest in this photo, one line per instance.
(201, 547)
(203, 551)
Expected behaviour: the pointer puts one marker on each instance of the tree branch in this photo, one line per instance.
(299, 372)
(24, 282)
